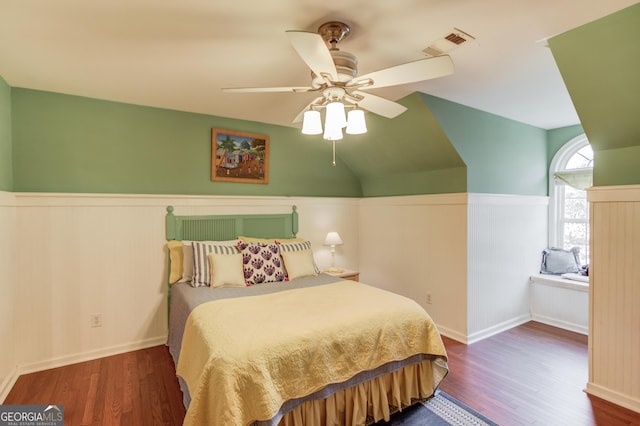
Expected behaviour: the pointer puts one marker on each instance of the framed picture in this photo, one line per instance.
(239, 157)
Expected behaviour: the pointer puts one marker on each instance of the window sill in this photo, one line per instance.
(557, 281)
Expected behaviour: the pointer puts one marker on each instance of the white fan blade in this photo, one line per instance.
(316, 101)
(314, 52)
(380, 106)
(266, 89)
(423, 69)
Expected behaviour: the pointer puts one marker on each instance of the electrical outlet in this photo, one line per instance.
(96, 320)
(429, 301)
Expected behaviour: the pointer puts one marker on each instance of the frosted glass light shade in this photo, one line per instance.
(355, 122)
(333, 239)
(335, 115)
(311, 123)
(332, 133)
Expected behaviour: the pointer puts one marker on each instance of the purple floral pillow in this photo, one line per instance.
(261, 262)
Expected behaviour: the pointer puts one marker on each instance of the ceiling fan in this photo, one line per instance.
(334, 73)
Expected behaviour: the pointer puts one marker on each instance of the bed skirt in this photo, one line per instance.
(368, 402)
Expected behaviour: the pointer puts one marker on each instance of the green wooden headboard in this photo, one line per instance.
(229, 227)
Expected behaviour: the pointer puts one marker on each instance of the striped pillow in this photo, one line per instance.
(201, 273)
(298, 246)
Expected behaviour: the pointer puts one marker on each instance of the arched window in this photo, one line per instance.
(570, 173)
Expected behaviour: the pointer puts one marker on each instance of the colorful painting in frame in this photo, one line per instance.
(239, 157)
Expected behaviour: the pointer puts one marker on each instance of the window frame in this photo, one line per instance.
(557, 192)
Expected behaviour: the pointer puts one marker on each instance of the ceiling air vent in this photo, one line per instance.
(448, 42)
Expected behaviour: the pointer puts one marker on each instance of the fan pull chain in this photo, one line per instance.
(334, 152)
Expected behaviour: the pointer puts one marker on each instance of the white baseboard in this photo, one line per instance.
(576, 328)
(452, 334)
(504, 326)
(91, 355)
(498, 328)
(614, 397)
(8, 383)
(483, 334)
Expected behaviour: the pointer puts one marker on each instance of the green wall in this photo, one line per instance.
(556, 138)
(619, 166)
(60, 143)
(65, 143)
(600, 64)
(407, 155)
(6, 160)
(502, 156)
(424, 182)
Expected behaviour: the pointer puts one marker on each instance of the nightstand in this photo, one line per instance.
(347, 274)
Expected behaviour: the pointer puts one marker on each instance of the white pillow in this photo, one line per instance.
(299, 263)
(201, 249)
(557, 261)
(226, 270)
(298, 246)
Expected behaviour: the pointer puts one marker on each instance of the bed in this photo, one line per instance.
(303, 348)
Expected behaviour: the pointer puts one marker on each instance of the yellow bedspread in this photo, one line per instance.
(242, 358)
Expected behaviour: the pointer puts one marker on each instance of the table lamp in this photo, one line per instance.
(333, 239)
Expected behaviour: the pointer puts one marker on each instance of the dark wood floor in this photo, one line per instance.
(530, 375)
(533, 374)
(135, 388)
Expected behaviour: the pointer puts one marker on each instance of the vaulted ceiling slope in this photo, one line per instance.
(409, 143)
(409, 154)
(178, 55)
(600, 63)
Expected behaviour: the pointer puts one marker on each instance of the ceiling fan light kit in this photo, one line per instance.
(356, 125)
(312, 123)
(333, 134)
(334, 74)
(336, 116)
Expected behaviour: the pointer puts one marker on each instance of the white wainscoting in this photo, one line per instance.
(82, 254)
(8, 284)
(560, 302)
(473, 253)
(415, 246)
(507, 234)
(614, 310)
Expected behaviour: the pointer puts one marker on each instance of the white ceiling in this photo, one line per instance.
(179, 54)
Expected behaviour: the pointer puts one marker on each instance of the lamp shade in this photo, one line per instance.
(355, 122)
(333, 239)
(312, 123)
(332, 133)
(335, 117)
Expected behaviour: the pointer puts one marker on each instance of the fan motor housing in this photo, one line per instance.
(346, 65)
(332, 33)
